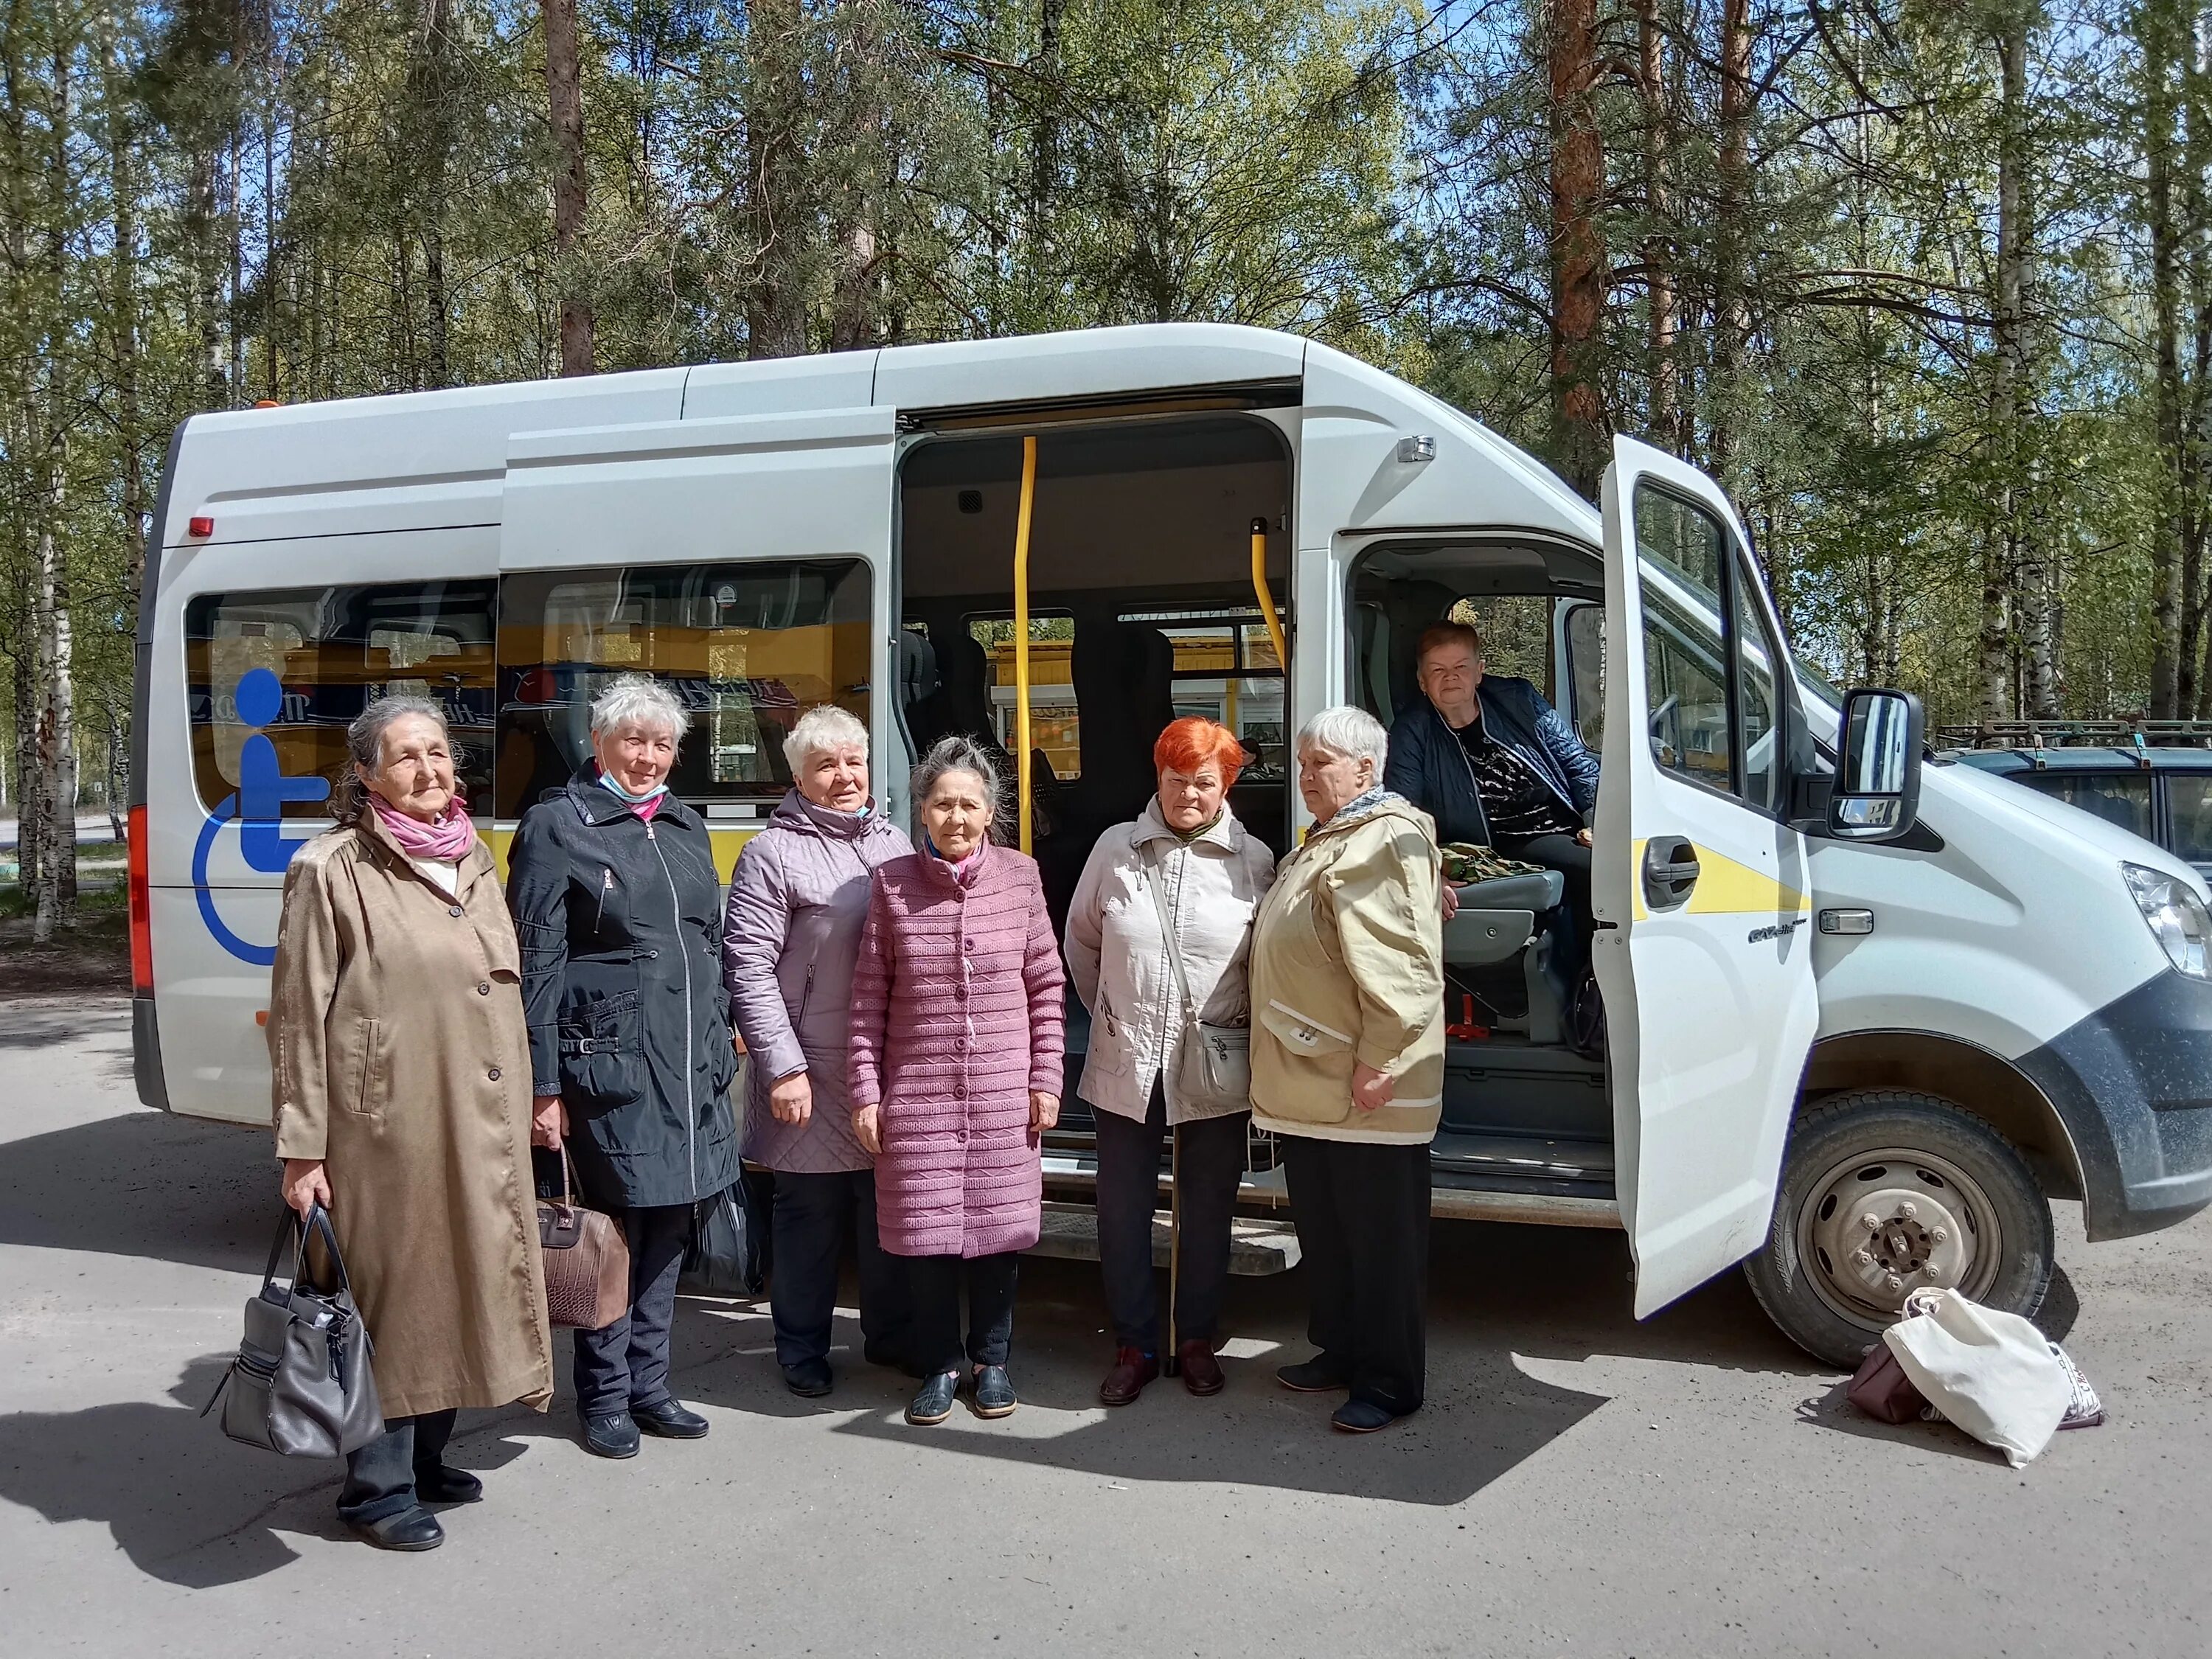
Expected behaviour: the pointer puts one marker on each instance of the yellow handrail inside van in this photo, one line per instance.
(1266, 599)
(1023, 782)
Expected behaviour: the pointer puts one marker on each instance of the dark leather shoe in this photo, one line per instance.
(447, 1485)
(994, 1392)
(932, 1402)
(671, 1419)
(1319, 1375)
(1201, 1372)
(1133, 1369)
(1361, 1417)
(410, 1529)
(612, 1436)
(809, 1379)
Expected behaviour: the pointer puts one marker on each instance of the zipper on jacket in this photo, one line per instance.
(690, 1042)
(607, 886)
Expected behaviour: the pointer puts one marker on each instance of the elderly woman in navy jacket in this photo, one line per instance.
(1493, 763)
(618, 911)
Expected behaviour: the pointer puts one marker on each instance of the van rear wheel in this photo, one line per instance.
(1885, 1192)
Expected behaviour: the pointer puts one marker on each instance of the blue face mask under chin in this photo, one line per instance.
(607, 783)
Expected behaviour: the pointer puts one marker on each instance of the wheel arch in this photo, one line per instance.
(1970, 1077)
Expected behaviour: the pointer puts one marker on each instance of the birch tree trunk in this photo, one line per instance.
(2159, 39)
(564, 97)
(123, 303)
(56, 892)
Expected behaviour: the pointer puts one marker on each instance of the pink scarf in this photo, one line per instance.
(448, 838)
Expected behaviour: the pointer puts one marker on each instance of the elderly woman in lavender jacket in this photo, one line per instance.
(789, 939)
(958, 1012)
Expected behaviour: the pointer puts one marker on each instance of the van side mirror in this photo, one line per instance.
(1877, 793)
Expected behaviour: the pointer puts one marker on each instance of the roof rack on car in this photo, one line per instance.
(2137, 736)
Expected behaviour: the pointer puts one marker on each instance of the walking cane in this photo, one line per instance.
(1170, 1364)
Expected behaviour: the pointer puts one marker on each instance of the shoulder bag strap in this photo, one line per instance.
(1168, 931)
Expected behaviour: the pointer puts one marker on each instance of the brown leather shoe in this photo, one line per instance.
(1133, 1369)
(1201, 1372)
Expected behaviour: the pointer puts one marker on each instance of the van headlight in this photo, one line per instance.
(2176, 916)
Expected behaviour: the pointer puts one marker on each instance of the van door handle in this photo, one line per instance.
(1670, 871)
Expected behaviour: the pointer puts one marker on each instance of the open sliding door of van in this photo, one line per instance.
(1704, 953)
(744, 561)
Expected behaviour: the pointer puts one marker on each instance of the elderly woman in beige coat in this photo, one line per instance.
(402, 1092)
(1188, 860)
(1348, 1064)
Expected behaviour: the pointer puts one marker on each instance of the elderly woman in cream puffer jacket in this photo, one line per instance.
(1210, 873)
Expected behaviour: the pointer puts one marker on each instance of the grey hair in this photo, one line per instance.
(365, 749)
(958, 753)
(1353, 733)
(638, 700)
(823, 726)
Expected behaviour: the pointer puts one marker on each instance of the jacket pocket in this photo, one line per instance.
(371, 1078)
(602, 1051)
(1109, 1045)
(1314, 1085)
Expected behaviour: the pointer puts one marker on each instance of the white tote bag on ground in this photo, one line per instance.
(1991, 1373)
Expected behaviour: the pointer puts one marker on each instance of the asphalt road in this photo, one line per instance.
(1579, 1483)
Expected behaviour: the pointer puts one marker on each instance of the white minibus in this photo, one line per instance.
(1865, 1020)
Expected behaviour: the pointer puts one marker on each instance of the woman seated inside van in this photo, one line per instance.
(1492, 763)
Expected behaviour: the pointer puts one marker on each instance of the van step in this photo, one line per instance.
(1525, 1156)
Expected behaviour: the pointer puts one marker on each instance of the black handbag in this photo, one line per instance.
(723, 1257)
(301, 1385)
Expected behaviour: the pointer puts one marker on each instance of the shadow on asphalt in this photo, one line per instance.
(190, 1508)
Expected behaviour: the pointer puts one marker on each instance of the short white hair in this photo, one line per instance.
(640, 701)
(1353, 733)
(820, 729)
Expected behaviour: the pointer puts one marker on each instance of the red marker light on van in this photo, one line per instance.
(142, 910)
(200, 526)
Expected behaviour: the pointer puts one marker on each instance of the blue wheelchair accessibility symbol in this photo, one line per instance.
(257, 807)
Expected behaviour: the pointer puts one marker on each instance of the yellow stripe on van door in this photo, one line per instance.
(1726, 888)
(728, 843)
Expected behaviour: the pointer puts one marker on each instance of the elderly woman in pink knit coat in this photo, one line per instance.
(955, 1073)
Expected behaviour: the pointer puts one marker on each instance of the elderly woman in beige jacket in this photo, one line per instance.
(1348, 1062)
(401, 1067)
(1189, 858)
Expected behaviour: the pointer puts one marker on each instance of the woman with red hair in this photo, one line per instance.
(1157, 936)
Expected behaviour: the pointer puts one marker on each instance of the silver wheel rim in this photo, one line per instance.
(1880, 1225)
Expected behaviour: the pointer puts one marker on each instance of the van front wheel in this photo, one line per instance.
(1884, 1192)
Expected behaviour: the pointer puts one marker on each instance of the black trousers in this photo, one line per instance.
(379, 1478)
(1362, 1211)
(626, 1363)
(936, 1282)
(1570, 946)
(813, 1214)
(1212, 1164)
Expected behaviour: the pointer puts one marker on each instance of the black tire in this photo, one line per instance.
(1812, 1303)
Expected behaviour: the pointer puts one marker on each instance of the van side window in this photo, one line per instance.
(747, 647)
(2189, 801)
(285, 670)
(1709, 659)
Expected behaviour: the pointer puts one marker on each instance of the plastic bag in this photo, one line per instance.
(723, 1257)
(1992, 1373)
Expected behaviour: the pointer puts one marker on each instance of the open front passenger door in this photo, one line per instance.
(1703, 953)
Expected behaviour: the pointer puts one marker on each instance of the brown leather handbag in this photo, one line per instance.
(1883, 1391)
(586, 1260)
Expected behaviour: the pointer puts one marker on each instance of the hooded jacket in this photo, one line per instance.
(790, 937)
(620, 921)
(1347, 964)
(1428, 766)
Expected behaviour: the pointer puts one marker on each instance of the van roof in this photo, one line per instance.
(2160, 759)
(416, 459)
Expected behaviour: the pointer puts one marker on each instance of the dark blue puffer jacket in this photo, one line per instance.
(1429, 767)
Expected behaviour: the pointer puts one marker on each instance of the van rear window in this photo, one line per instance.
(287, 669)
